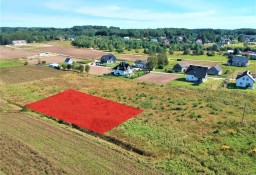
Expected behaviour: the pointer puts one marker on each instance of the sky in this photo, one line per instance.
(129, 14)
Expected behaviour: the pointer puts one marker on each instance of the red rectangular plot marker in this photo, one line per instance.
(85, 110)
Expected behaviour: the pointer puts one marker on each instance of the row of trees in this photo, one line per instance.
(8, 34)
(159, 61)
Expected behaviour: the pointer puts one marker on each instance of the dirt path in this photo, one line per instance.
(74, 153)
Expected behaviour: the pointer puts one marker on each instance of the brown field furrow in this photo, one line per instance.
(18, 158)
(111, 162)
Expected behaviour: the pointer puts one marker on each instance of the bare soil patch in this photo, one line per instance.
(202, 63)
(14, 53)
(21, 74)
(98, 70)
(153, 77)
(130, 57)
(74, 52)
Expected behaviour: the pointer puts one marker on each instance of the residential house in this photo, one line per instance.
(166, 41)
(197, 74)
(215, 70)
(230, 52)
(199, 41)
(180, 38)
(123, 69)
(238, 61)
(54, 65)
(108, 59)
(19, 42)
(226, 41)
(246, 80)
(69, 61)
(141, 64)
(71, 38)
(180, 67)
(126, 38)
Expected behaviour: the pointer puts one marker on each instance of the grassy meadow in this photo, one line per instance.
(183, 129)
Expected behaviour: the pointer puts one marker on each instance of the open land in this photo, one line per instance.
(158, 77)
(14, 53)
(184, 129)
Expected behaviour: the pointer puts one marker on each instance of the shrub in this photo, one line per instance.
(69, 66)
(25, 63)
(44, 62)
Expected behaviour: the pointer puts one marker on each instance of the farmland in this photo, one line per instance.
(14, 53)
(184, 129)
(180, 126)
(36, 146)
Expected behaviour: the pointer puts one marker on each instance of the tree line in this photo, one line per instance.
(37, 34)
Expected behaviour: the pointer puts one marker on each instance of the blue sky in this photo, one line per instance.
(224, 14)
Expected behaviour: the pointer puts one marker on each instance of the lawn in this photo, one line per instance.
(10, 63)
(218, 58)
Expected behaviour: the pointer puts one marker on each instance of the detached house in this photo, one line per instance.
(246, 80)
(141, 64)
(197, 74)
(238, 61)
(69, 61)
(19, 42)
(180, 67)
(108, 59)
(123, 69)
(215, 70)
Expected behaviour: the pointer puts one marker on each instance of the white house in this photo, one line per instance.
(123, 69)
(246, 80)
(141, 64)
(19, 42)
(69, 61)
(126, 38)
(197, 74)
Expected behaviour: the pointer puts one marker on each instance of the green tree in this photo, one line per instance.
(87, 69)
(241, 38)
(80, 68)
(152, 61)
(187, 51)
(64, 66)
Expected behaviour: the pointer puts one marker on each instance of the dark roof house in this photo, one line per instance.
(251, 75)
(238, 61)
(180, 67)
(197, 74)
(106, 59)
(141, 63)
(68, 61)
(215, 70)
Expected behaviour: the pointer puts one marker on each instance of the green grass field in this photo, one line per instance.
(10, 63)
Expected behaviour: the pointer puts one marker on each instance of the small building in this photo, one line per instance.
(126, 38)
(180, 38)
(71, 38)
(54, 65)
(108, 59)
(197, 74)
(123, 69)
(166, 41)
(154, 40)
(199, 41)
(141, 64)
(238, 61)
(230, 52)
(226, 41)
(68, 61)
(246, 80)
(215, 70)
(19, 42)
(180, 67)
